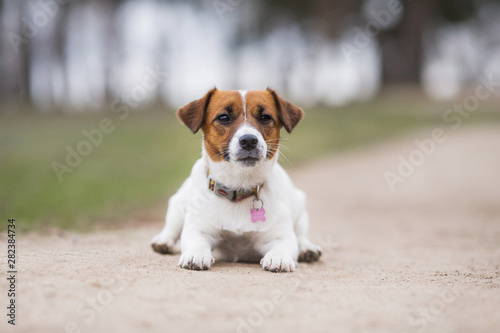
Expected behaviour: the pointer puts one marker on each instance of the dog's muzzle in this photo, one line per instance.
(248, 152)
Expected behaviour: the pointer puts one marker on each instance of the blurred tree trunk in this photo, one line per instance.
(163, 56)
(334, 16)
(402, 47)
(24, 79)
(111, 41)
(60, 42)
(4, 84)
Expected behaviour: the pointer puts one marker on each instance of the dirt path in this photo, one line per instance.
(425, 258)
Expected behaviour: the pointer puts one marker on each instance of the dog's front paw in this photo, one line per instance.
(162, 244)
(197, 260)
(277, 262)
(308, 251)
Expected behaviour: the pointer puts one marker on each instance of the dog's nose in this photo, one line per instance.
(248, 141)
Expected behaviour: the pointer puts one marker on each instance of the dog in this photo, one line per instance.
(239, 204)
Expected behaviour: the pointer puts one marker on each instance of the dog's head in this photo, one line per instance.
(242, 128)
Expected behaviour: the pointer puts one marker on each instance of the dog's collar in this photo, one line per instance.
(232, 195)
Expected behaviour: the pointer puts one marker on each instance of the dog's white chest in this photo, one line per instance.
(236, 217)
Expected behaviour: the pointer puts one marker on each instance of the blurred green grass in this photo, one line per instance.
(149, 154)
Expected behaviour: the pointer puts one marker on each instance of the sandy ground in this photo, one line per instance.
(425, 258)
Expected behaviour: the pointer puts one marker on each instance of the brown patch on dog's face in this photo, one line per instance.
(264, 116)
(224, 116)
(221, 113)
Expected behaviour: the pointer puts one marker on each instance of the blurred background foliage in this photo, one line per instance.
(364, 70)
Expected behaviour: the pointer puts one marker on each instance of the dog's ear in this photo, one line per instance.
(193, 114)
(289, 114)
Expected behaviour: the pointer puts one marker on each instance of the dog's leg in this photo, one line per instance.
(196, 249)
(281, 252)
(308, 251)
(164, 242)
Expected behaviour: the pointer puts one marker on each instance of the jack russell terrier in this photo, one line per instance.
(238, 203)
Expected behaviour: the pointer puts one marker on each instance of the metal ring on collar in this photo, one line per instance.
(261, 204)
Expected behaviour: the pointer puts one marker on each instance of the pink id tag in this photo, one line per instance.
(258, 215)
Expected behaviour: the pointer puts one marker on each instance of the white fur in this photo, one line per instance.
(211, 227)
(243, 94)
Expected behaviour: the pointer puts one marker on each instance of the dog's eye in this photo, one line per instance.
(264, 119)
(223, 118)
